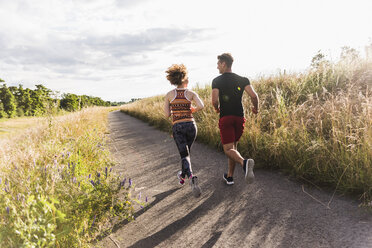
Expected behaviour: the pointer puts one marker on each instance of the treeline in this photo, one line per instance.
(17, 101)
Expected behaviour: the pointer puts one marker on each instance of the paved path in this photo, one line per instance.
(273, 212)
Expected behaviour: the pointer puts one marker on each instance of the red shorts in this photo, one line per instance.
(231, 128)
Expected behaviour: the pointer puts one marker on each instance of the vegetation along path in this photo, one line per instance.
(272, 212)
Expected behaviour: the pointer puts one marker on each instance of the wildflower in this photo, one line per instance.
(94, 220)
(74, 180)
(79, 184)
(130, 182)
(92, 182)
(98, 174)
(110, 169)
(0, 180)
(139, 196)
(89, 175)
(6, 190)
(68, 163)
(122, 183)
(68, 154)
(146, 198)
(106, 171)
(7, 210)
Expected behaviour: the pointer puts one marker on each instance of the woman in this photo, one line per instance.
(178, 106)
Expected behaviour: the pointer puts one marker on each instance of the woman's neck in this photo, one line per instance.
(182, 86)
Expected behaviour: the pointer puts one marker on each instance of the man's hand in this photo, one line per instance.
(217, 110)
(254, 110)
(193, 110)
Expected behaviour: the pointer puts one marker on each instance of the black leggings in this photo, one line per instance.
(184, 134)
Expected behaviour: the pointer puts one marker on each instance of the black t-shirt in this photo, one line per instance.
(231, 87)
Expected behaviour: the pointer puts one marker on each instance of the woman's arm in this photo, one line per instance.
(199, 103)
(167, 112)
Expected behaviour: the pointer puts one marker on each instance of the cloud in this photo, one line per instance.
(148, 40)
(93, 50)
(129, 3)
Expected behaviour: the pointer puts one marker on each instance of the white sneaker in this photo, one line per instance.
(196, 191)
(248, 170)
(181, 180)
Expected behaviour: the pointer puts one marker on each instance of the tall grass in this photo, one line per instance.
(57, 187)
(314, 125)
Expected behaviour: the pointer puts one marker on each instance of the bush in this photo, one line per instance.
(58, 188)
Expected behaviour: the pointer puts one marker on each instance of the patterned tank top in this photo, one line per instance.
(181, 107)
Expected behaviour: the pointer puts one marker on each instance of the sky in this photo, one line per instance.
(119, 50)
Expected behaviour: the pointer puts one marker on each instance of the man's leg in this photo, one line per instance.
(231, 163)
(233, 154)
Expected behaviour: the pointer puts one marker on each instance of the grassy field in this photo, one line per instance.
(314, 125)
(57, 187)
(9, 127)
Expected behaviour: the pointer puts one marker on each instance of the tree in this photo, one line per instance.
(70, 102)
(8, 100)
(24, 101)
(349, 54)
(41, 100)
(319, 60)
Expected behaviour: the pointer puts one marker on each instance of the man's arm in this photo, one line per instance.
(215, 102)
(254, 97)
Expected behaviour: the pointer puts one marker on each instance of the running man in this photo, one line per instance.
(178, 106)
(227, 92)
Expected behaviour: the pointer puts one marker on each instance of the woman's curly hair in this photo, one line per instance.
(176, 73)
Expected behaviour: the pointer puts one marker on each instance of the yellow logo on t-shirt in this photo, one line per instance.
(238, 88)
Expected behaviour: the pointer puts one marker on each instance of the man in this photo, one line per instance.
(227, 92)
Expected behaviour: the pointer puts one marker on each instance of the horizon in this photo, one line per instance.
(119, 50)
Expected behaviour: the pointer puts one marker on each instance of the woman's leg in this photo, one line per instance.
(180, 137)
(191, 136)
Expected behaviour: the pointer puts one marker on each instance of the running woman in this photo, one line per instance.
(227, 92)
(178, 106)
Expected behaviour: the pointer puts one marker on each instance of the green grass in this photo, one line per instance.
(314, 125)
(57, 188)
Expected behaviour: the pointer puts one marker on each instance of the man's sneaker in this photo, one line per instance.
(179, 176)
(229, 180)
(194, 186)
(248, 166)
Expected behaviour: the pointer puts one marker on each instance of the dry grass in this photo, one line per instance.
(315, 125)
(57, 189)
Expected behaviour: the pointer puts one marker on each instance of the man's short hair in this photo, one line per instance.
(227, 58)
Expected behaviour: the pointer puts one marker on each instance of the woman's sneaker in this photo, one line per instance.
(195, 187)
(179, 176)
(248, 170)
(229, 180)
